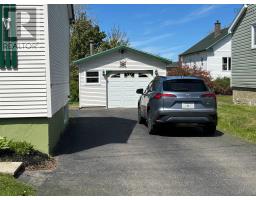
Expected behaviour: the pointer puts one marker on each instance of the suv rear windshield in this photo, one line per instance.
(184, 85)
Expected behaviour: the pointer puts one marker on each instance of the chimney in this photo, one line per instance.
(217, 28)
(91, 47)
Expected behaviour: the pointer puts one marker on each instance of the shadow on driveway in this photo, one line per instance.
(89, 132)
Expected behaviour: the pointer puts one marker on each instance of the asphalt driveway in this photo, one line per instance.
(105, 152)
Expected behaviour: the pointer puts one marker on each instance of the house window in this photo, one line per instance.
(92, 77)
(254, 36)
(226, 63)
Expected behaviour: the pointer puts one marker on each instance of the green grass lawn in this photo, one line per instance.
(238, 120)
(9, 186)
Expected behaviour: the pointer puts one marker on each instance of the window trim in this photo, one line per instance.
(96, 83)
(253, 32)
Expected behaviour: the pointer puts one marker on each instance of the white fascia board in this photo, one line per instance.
(237, 18)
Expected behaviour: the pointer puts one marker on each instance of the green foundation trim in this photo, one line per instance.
(57, 125)
(32, 130)
(42, 133)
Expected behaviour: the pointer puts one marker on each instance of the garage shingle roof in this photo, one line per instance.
(206, 42)
(119, 48)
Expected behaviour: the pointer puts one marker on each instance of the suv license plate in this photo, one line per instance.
(188, 105)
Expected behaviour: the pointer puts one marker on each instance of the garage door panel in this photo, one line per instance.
(122, 90)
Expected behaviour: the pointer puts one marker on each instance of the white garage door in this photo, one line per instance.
(122, 88)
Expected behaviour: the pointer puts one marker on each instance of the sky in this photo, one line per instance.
(165, 30)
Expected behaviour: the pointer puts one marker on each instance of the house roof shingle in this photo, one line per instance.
(206, 42)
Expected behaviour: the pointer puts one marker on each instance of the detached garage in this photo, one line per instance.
(110, 78)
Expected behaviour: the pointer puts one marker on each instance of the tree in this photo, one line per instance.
(115, 38)
(83, 30)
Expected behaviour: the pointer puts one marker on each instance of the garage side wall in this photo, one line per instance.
(91, 95)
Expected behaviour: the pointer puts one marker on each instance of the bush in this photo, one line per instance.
(74, 84)
(222, 86)
(191, 71)
(4, 143)
(20, 148)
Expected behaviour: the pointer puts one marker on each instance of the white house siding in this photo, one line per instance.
(58, 24)
(214, 58)
(95, 95)
(23, 90)
(211, 60)
(197, 59)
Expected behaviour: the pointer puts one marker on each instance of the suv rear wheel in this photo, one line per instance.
(210, 129)
(141, 120)
(152, 127)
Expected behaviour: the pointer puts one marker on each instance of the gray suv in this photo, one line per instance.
(177, 100)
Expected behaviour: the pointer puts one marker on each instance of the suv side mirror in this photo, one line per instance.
(139, 91)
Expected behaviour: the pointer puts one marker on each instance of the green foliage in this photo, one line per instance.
(74, 88)
(9, 186)
(222, 86)
(4, 143)
(20, 148)
(83, 31)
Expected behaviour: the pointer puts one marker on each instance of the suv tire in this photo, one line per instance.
(210, 130)
(141, 120)
(152, 127)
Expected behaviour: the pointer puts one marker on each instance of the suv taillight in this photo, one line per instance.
(160, 95)
(209, 94)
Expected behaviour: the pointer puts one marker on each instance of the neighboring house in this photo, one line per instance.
(243, 80)
(172, 66)
(110, 79)
(212, 53)
(34, 72)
